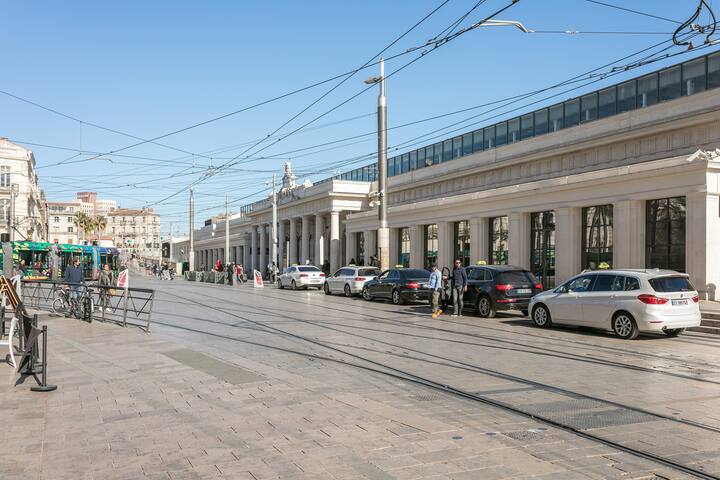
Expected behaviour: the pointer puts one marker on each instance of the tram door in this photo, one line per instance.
(542, 241)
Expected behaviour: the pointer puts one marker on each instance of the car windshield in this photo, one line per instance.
(416, 274)
(515, 276)
(308, 269)
(671, 284)
(369, 272)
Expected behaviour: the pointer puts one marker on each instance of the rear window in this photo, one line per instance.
(369, 272)
(308, 269)
(671, 284)
(416, 273)
(515, 276)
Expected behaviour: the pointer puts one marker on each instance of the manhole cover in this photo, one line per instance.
(426, 397)
(524, 435)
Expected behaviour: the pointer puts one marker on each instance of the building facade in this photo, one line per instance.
(626, 177)
(61, 222)
(22, 201)
(135, 231)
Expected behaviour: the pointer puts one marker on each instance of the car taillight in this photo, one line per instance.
(652, 299)
(359, 279)
(696, 299)
(303, 275)
(412, 285)
(503, 288)
(322, 274)
(538, 286)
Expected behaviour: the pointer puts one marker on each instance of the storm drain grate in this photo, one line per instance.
(563, 406)
(592, 419)
(524, 435)
(426, 397)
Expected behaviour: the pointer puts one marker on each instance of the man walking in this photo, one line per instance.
(74, 274)
(459, 287)
(435, 286)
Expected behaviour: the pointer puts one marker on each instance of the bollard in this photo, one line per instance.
(44, 387)
(125, 302)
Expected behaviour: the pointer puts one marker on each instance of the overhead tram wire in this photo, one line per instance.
(634, 11)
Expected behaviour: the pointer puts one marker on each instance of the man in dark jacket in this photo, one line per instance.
(74, 274)
(459, 287)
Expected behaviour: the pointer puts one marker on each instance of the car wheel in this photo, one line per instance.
(541, 317)
(279, 284)
(348, 292)
(624, 326)
(293, 285)
(485, 307)
(320, 288)
(366, 294)
(397, 298)
(524, 312)
(326, 288)
(673, 332)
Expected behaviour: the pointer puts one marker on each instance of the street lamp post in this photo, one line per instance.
(191, 220)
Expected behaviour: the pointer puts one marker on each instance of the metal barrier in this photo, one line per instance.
(207, 277)
(118, 305)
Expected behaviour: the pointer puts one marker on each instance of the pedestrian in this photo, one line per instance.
(459, 287)
(240, 274)
(326, 268)
(17, 277)
(202, 266)
(74, 276)
(435, 286)
(361, 263)
(446, 294)
(218, 265)
(274, 272)
(106, 281)
(230, 273)
(352, 261)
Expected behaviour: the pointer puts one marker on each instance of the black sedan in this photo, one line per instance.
(399, 285)
(500, 287)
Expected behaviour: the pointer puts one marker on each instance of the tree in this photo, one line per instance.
(100, 223)
(82, 222)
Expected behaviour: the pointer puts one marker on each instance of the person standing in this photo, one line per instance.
(74, 275)
(326, 268)
(459, 287)
(107, 280)
(240, 274)
(230, 271)
(435, 286)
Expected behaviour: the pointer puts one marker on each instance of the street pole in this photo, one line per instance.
(383, 235)
(191, 253)
(227, 232)
(11, 224)
(273, 230)
(171, 249)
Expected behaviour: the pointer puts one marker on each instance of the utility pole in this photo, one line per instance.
(273, 230)
(11, 224)
(227, 231)
(191, 253)
(171, 249)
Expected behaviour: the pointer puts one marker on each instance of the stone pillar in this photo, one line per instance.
(262, 257)
(628, 236)
(319, 258)
(568, 243)
(702, 234)
(417, 247)
(370, 238)
(445, 245)
(254, 248)
(335, 247)
(350, 247)
(479, 238)
(394, 251)
(305, 240)
(247, 255)
(282, 262)
(519, 239)
(292, 254)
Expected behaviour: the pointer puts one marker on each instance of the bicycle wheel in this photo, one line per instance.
(75, 309)
(58, 306)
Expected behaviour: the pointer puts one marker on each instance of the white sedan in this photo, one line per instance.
(625, 301)
(349, 280)
(301, 276)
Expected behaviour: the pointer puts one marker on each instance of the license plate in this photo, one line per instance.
(524, 290)
(681, 301)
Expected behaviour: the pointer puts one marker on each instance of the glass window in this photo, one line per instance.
(391, 167)
(631, 283)
(404, 247)
(675, 283)
(665, 234)
(4, 176)
(669, 83)
(647, 90)
(428, 156)
(489, 139)
(467, 144)
(476, 274)
(527, 125)
(608, 283)
(693, 75)
(414, 159)
(713, 70)
(499, 234)
(556, 118)
(513, 130)
(588, 107)
(541, 122)
(581, 284)
(606, 102)
(572, 112)
(477, 140)
(437, 153)
(626, 96)
(500, 134)
(405, 159)
(597, 240)
(430, 237)
(359, 247)
(542, 247)
(457, 147)
(462, 242)
(447, 150)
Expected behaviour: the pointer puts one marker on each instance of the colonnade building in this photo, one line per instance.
(623, 177)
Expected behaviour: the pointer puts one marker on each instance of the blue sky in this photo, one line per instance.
(148, 68)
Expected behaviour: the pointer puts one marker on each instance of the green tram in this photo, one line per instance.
(38, 264)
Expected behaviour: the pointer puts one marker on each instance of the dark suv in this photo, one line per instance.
(500, 287)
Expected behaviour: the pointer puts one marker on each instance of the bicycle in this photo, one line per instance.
(65, 304)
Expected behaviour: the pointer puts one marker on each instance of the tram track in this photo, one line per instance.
(386, 369)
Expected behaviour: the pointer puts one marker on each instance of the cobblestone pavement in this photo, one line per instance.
(220, 389)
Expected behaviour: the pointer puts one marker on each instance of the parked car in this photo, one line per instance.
(301, 276)
(499, 287)
(625, 301)
(349, 280)
(399, 285)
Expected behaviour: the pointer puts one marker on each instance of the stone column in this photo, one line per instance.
(568, 243)
(263, 246)
(417, 247)
(479, 238)
(350, 247)
(292, 254)
(319, 258)
(253, 248)
(394, 251)
(628, 234)
(519, 239)
(335, 247)
(282, 262)
(305, 240)
(246, 255)
(445, 245)
(370, 238)
(702, 231)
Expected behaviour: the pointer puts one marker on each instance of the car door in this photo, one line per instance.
(389, 283)
(476, 276)
(599, 304)
(334, 280)
(566, 306)
(376, 288)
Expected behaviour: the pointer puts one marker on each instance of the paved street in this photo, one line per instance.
(244, 383)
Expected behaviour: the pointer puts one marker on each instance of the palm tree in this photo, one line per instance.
(82, 223)
(99, 225)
